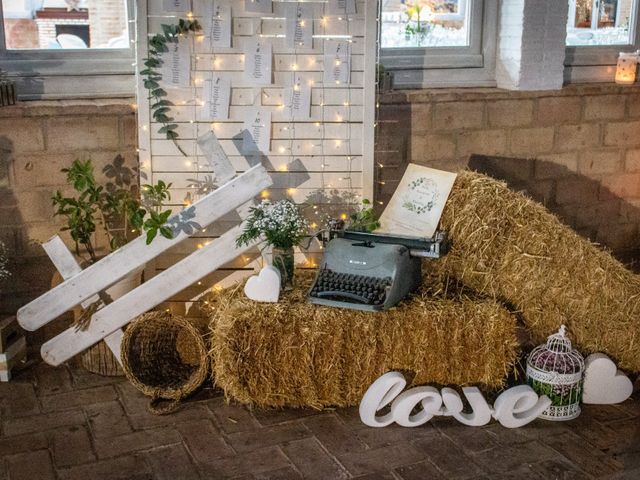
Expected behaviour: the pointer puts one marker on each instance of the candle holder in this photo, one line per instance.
(627, 68)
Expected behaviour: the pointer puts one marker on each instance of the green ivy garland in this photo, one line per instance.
(160, 105)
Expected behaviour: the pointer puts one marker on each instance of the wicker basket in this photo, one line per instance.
(165, 357)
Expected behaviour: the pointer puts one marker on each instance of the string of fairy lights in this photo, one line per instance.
(340, 112)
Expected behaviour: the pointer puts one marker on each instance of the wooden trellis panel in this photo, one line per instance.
(326, 160)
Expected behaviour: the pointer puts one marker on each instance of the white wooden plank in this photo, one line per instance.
(125, 260)
(275, 163)
(144, 298)
(68, 267)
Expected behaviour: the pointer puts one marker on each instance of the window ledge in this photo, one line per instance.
(436, 95)
(47, 108)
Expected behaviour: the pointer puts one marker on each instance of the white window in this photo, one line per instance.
(68, 48)
(431, 43)
(597, 31)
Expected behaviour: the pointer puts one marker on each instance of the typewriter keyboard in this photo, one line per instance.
(350, 288)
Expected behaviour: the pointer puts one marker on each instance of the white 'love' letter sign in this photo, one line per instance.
(513, 408)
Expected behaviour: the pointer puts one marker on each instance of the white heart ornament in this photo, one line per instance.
(264, 287)
(604, 384)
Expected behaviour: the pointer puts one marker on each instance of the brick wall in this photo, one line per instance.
(37, 139)
(577, 150)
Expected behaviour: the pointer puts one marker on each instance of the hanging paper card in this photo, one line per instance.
(337, 62)
(181, 6)
(176, 65)
(257, 62)
(297, 100)
(300, 26)
(258, 6)
(257, 132)
(417, 204)
(216, 97)
(217, 158)
(341, 7)
(217, 23)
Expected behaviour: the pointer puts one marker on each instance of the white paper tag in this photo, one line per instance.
(217, 24)
(341, 7)
(181, 6)
(257, 131)
(217, 158)
(176, 65)
(258, 62)
(337, 62)
(258, 6)
(297, 100)
(216, 95)
(299, 26)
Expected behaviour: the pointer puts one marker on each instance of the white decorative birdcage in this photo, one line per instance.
(555, 369)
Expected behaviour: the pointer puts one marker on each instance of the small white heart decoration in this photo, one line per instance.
(604, 384)
(264, 287)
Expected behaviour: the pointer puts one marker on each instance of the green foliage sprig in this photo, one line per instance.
(364, 220)
(160, 105)
(118, 208)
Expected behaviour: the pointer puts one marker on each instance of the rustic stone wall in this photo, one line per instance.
(37, 140)
(577, 149)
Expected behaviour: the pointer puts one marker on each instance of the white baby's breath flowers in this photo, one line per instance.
(4, 261)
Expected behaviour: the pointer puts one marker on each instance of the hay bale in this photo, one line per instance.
(512, 248)
(301, 355)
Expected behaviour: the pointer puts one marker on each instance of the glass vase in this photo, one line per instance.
(283, 260)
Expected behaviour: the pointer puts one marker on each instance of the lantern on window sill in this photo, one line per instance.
(627, 68)
(555, 369)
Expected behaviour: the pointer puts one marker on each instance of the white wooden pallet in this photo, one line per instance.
(83, 286)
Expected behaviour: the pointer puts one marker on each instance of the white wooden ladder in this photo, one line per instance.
(83, 286)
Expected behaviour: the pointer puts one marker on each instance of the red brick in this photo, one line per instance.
(600, 162)
(172, 463)
(22, 443)
(130, 467)
(381, 459)
(38, 423)
(313, 461)
(556, 165)
(107, 419)
(435, 146)
(623, 186)
(266, 437)
(510, 113)
(22, 135)
(72, 446)
(32, 465)
(420, 118)
(622, 134)
(256, 462)
(131, 442)
(632, 161)
(78, 398)
(458, 115)
(558, 110)
(71, 134)
(576, 137)
(528, 142)
(204, 441)
(334, 435)
(486, 142)
(606, 107)
(576, 189)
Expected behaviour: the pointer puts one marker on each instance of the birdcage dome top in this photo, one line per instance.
(557, 355)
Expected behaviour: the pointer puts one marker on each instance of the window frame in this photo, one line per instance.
(472, 65)
(593, 63)
(72, 73)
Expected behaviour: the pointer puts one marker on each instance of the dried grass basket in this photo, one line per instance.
(165, 357)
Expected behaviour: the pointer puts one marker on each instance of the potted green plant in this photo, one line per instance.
(123, 212)
(282, 227)
(365, 219)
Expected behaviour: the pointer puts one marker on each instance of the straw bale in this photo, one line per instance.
(297, 354)
(512, 248)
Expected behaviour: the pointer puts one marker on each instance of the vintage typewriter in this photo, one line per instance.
(366, 271)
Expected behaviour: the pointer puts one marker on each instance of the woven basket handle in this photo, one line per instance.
(167, 407)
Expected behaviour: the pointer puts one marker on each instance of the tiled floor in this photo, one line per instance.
(67, 424)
